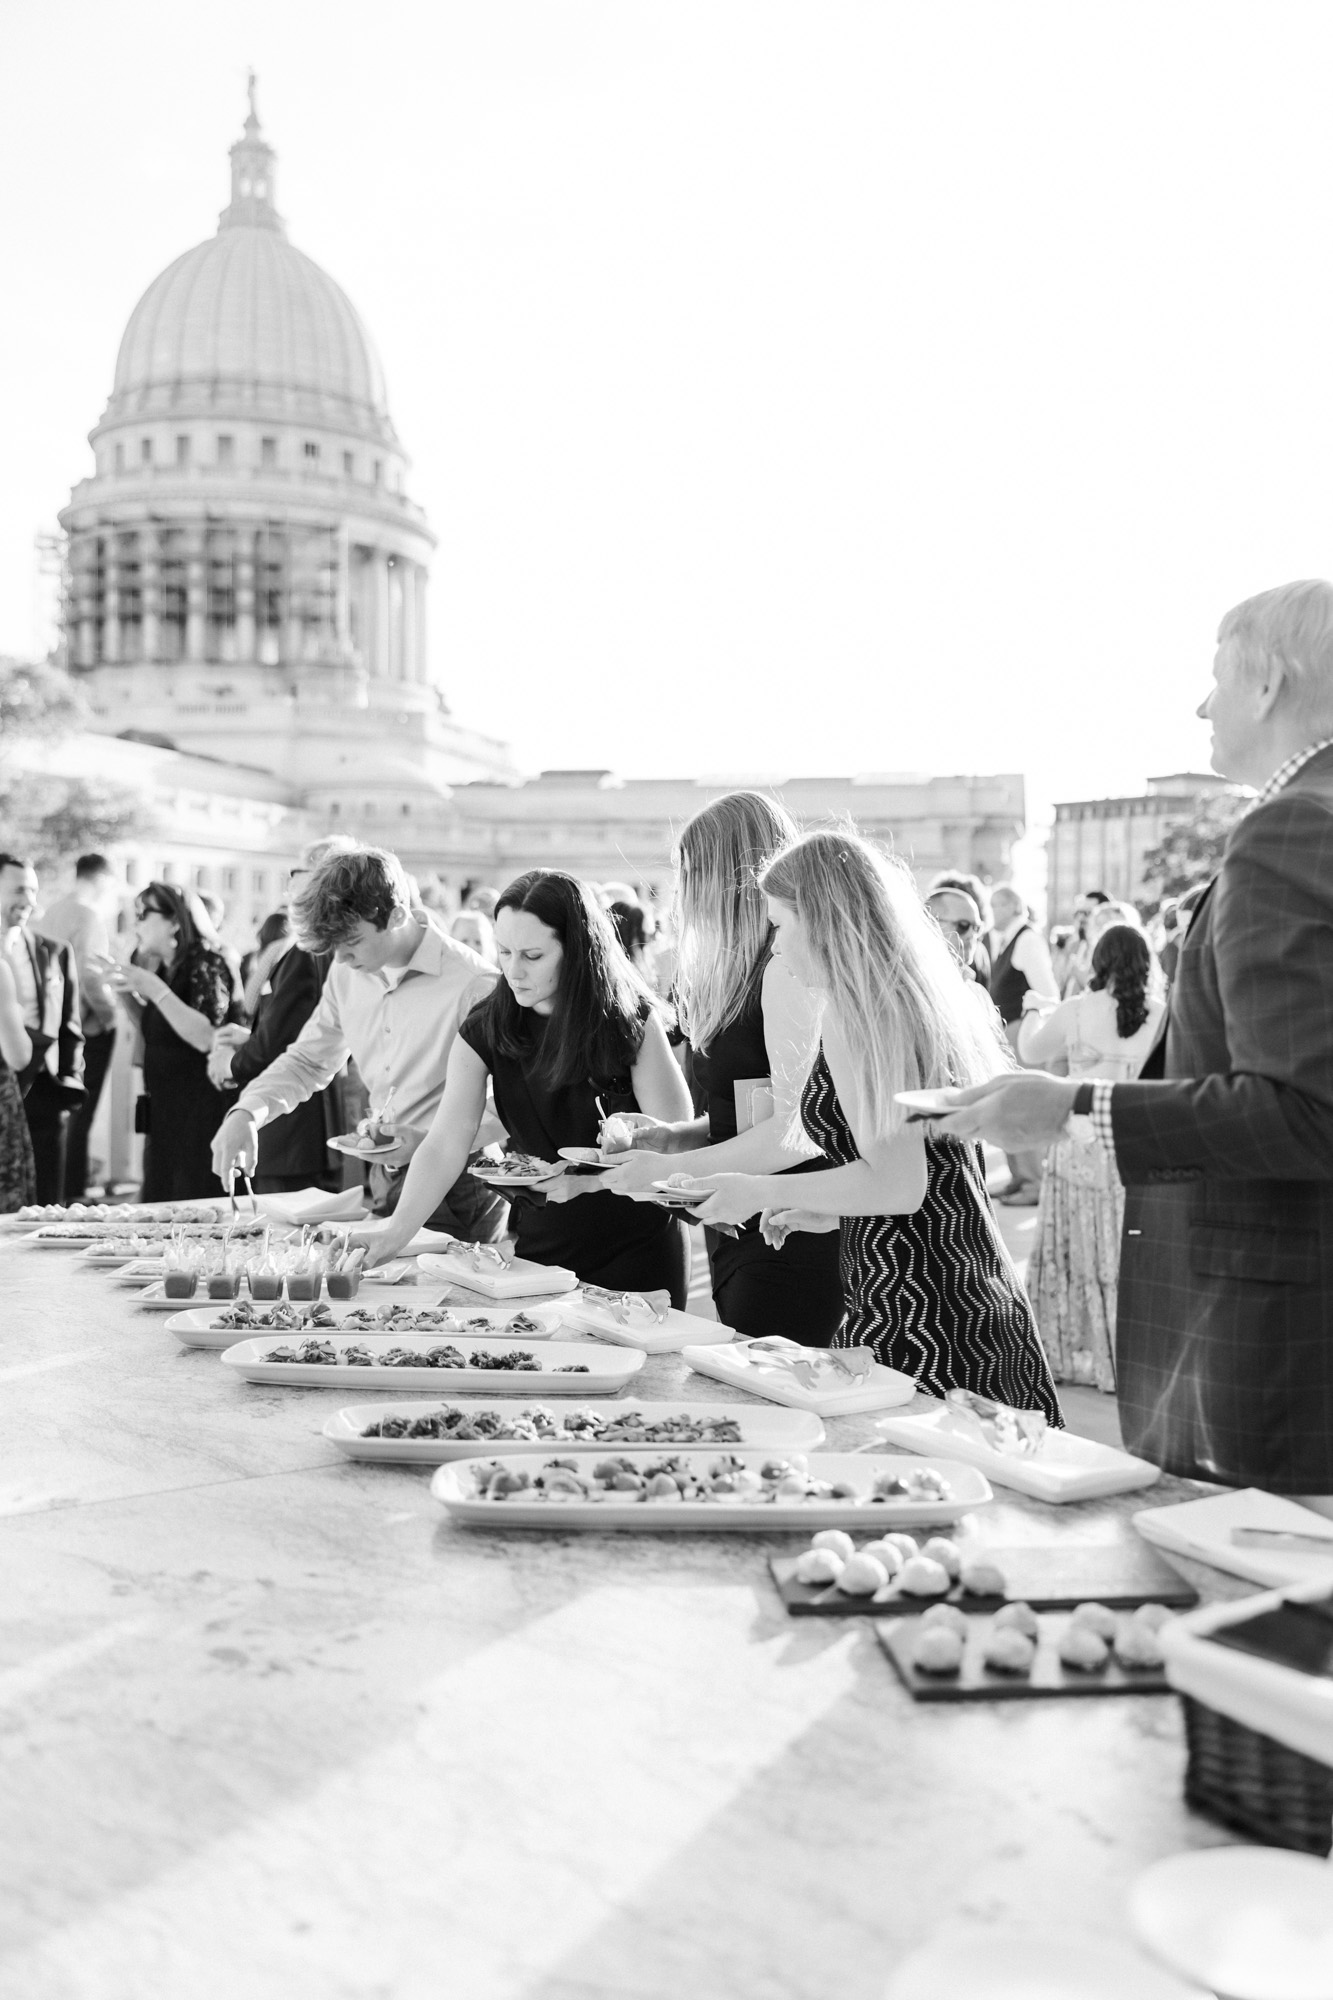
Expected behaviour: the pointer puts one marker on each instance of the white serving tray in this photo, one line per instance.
(1202, 1529)
(198, 1327)
(314, 1205)
(452, 1487)
(668, 1336)
(519, 1279)
(765, 1430)
(735, 1365)
(153, 1299)
(1066, 1468)
(100, 1258)
(608, 1369)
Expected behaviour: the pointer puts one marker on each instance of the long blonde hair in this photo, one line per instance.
(724, 927)
(891, 988)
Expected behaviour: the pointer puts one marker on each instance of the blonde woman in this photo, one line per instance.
(928, 1283)
(750, 1033)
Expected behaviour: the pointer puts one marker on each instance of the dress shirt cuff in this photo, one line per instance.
(1100, 1113)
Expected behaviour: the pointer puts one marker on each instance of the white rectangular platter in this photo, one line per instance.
(602, 1371)
(153, 1299)
(199, 1326)
(453, 1486)
(1202, 1529)
(735, 1365)
(771, 1430)
(668, 1336)
(101, 1257)
(517, 1279)
(1066, 1468)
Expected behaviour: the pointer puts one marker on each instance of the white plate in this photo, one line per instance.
(198, 1326)
(347, 1142)
(1202, 1529)
(141, 1272)
(1249, 1921)
(771, 1430)
(608, 1369)
(678, 1330)
(314, 1205)
(452, 1487)
(517, 1278)
(154, 1299)
(1066, 1468)
(583, 1156)
(734, 1364)
(494, 1174)
(990, 1963)
(928, 1101)
(102, 1259)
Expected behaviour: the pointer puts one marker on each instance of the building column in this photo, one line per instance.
(421, 664)
(111, 648)
(296, 596)
(150, 589)
(342, 556)
(84, 564)
(245, 595)
(196, 594)
(383, 666)
(407, 620)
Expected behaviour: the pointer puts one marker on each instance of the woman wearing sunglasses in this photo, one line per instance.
(178, 987)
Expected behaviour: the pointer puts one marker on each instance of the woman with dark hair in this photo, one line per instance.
(749, 1030)
(1108, 1032)
(569, 1028)
(179, 988)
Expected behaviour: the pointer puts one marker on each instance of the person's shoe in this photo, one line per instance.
(1024, 1196)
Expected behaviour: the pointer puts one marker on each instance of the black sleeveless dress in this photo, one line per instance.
(797, 1290)
(184, 1110)
(632, 1246)
(934, 1293)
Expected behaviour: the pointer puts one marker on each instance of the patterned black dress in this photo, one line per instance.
(933, 1293)
(18, 1184)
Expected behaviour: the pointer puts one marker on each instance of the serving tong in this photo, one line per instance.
(854, 1364)
(232, 1178)
(623, 1305)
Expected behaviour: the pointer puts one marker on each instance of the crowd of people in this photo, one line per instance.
(760, 1058)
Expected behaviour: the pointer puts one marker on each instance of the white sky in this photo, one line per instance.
(845, 385)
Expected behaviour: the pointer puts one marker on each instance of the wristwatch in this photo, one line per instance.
(1079, 1125)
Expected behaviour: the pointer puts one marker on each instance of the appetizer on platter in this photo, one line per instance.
(1013, 1433)
(458, 1422)
(429, 1319)
(726, 1481)
(324, 1353)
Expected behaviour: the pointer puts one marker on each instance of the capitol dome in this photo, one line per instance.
(247, 325)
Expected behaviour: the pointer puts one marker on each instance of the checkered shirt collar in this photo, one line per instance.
(1286, 772)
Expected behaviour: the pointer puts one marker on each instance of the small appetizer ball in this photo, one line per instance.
(819, 1566)
(834, 1538)
(1008, 1651)
(947, 1615)
(1018, 1617)
(941, 1550)
(1096, 1618)
(982, 1579)
(1152, 1616)
(885, 1552)
(1138, 1645)
(937, 1649)
(906, 1545)
(863, 1576)
(1083, 1648)
(924, 1577)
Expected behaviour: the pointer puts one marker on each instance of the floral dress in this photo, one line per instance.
(18, 1183)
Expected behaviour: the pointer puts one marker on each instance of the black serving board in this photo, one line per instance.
(976, 1682)
(1048, 1578)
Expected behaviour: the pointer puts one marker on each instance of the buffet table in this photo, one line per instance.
(273, 1727)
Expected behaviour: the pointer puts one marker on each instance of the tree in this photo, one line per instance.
(42, 816)
(1191, 847)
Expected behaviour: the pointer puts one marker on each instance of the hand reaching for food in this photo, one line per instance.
(777, 1224)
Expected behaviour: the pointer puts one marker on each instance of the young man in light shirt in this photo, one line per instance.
(395, 994)
(81, 920)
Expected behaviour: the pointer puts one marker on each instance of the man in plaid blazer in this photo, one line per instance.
(1224, 1336)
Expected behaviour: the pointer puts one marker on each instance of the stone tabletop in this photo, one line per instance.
(271, 1726)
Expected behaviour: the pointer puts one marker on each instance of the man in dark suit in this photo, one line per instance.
(47, 982)
(1224, 1338)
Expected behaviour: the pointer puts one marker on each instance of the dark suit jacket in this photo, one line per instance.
(296, 1142)
(57, 977)
(1224, 1340)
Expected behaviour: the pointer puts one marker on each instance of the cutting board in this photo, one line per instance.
(1049, 1579)
(976, 1682)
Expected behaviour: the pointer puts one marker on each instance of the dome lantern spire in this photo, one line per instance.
(252, 164)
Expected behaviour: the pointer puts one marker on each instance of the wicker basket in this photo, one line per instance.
(1249, 1782)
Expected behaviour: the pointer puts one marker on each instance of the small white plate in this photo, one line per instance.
(927, 1102)
(199, 1326)
(495, 1174)
(668, 1336)
(772, 1430)
(154, 1299)
(516, 1278)
(1252, 1922)
(1066, 1468)
(583, 1156)
(678, 1197)
(602, 1371)
(347, 1142)
(454, 1488)
(101, 1258)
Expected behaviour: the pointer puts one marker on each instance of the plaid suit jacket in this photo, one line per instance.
(1224, 1337)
